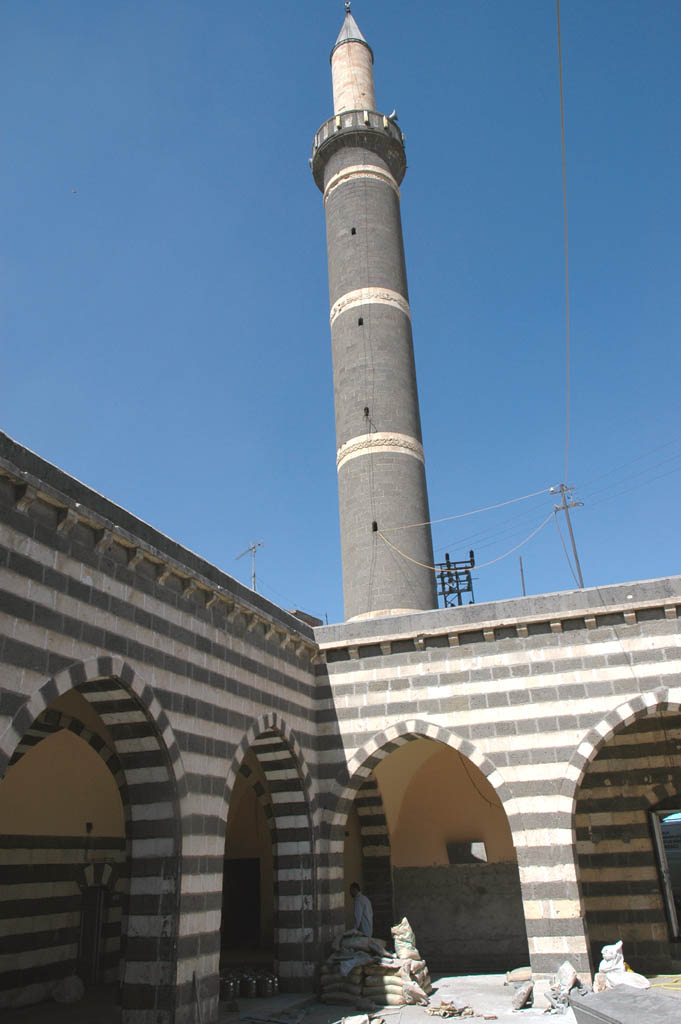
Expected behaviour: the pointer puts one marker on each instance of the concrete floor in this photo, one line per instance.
(485, 993)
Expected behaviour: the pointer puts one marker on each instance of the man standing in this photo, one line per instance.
(364, 914)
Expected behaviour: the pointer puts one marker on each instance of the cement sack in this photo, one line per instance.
(413, 966)
(334, 971)
(386, 985)
(613, 969)
(342, 987)
(422, 978)
(414, 994)
(358, 942)
(403, 931)
(379, 995)
(405, 941)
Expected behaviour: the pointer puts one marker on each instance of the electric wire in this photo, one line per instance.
(636, 487)
(507, 526)
(484, 565)
(630, 462)
(641, 472)
(474, 512)
(565, 228)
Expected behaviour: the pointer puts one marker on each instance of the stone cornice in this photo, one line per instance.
(194, 586)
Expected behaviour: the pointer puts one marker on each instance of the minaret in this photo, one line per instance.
(358, 162)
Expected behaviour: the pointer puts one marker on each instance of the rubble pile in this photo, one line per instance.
(361, 972)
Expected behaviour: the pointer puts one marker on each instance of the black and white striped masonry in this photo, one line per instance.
(358, 162)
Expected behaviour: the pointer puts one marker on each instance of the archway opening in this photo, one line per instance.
(629, 844)
(431, 841)
(268, 866)
(247, 923)
(62, 857)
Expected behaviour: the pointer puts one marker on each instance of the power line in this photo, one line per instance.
(641, 472)
(630, 462)
(474, 512)
(508, 526)
(565, 227)
(636, 487)
(484, 565)
(511, 550)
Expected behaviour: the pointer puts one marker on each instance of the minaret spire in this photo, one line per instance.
(352, 69)
(358, 162)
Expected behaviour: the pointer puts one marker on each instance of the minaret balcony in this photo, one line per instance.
(364, 129)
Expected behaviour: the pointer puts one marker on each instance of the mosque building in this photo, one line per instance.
(191, 775)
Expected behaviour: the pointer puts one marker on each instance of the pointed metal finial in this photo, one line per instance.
(348, 5)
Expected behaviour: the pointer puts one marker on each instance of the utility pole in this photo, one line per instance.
(252, 548)
(564, 507)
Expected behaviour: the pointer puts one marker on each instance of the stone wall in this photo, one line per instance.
(186, 669)
(180, 672)
(467, 918)
(528, 689)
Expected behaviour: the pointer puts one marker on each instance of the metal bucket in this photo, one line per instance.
(265, 986)
(247, 987)
(228, 991)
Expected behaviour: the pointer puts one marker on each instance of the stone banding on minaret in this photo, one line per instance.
(358, 163)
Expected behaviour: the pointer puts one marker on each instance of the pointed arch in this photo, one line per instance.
(154, 785)
(642, 705)
(362, 764)
(272, 722)
(356, 786)
(85, 677)
(624, 766)
(50, 722)
(289, 804)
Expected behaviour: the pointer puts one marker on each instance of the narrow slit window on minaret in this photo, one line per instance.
(353, 231)
(360, 322)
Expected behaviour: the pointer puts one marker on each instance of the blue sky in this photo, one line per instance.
(165, 326)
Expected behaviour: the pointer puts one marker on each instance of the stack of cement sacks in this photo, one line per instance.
(362, 973)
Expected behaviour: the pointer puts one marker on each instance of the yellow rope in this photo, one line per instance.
(673, 982)
(484, 565)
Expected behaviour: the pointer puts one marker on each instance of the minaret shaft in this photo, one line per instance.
(358, 162)
(353, 77)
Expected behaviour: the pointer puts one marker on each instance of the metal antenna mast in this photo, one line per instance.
(252, 548)
(563, 490)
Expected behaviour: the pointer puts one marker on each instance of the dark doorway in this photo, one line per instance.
(90, 946)
(241, 903)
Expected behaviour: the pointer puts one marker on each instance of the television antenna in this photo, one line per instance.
(252, 548)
